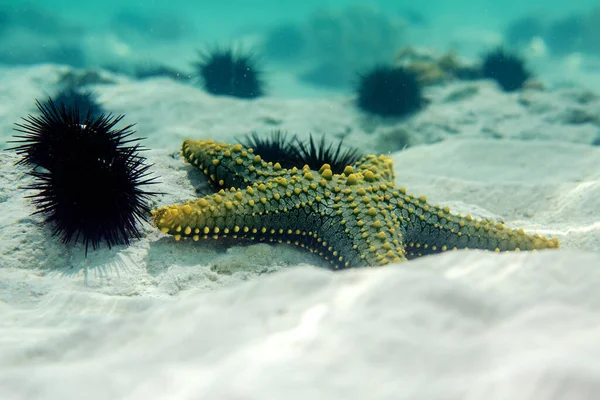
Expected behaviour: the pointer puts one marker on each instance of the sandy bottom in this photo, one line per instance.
(161, 319)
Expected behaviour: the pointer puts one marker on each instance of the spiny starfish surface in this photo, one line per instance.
(356, 218)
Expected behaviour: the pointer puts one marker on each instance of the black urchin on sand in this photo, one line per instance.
(506, 68)
(89, 175)
(292, 152)
(389, 91)
(228, 72)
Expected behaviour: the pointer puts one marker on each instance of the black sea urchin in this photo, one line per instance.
(91, 185)
(277, 147)
(49, 137)
(80, 99)
(230, 73)
(292, 152)
(389, 91)
(507, 69)
(315, 154)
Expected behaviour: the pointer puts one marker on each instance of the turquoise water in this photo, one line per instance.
(120, 34)
(246, 10)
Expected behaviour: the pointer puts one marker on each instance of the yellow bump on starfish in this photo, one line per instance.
(356, 218)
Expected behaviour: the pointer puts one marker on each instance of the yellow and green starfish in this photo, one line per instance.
(353, 219)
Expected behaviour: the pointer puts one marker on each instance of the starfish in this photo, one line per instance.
(352, 219)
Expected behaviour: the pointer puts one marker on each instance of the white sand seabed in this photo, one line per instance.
(161, 319)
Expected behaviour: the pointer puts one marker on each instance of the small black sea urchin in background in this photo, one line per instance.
(389, 91)
(506, 68)
(315, 154)
(92, 183)
(226, 72)
(278, 147)
(83, 100)
(292, 152)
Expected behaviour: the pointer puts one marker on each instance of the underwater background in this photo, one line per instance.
(482, 117)
(303, 41)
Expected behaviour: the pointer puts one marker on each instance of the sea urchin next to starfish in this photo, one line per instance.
(92, 178)
(291, 151)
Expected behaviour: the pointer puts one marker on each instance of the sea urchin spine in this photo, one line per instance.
(91, 185)
(291, 152)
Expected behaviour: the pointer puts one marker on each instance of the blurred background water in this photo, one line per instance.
(313, 44)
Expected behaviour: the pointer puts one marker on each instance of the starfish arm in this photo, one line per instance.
(430, 229)
(294, 209)
(381, 166)
(227, 165)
